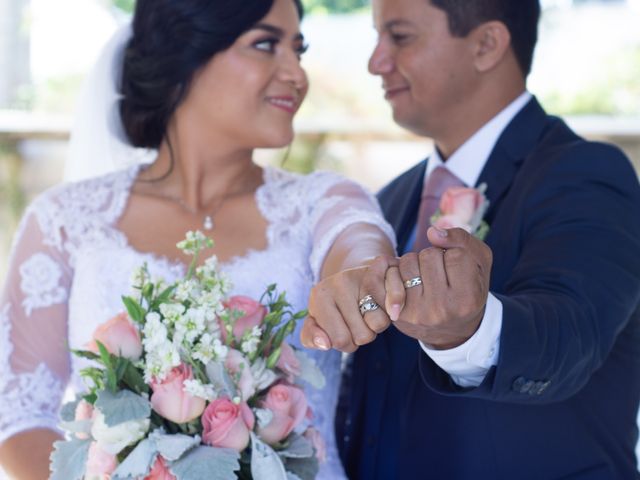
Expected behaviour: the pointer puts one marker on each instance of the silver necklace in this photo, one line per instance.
(208, 223)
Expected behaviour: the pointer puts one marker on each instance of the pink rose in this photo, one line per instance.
(252, 313)
(119, 336)
(171, 401)
(288, 362)
(238, 365)
(160, 471)
(458, 206)
(227, 425)
(289, 407)
(84, 411)
(317, 441)
(100, 464)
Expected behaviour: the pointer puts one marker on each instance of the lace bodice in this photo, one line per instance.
(70, 265)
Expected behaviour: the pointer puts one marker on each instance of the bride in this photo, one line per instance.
(203, 84)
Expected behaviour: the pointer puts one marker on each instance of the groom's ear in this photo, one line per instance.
(492, 41)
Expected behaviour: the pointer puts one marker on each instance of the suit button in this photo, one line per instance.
(522, 385)
(371, 440)
(379, 366)
(543, 386)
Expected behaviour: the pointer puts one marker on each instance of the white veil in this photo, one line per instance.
(98, 144)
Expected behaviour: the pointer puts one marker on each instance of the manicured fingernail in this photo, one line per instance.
(441, 232)
(394, 312)
(321, 343)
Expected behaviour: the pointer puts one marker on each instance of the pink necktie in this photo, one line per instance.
(438, 181)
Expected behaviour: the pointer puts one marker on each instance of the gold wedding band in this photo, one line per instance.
(413, 282)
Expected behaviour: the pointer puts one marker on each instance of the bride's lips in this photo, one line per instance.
(391, 92)
(287, 103)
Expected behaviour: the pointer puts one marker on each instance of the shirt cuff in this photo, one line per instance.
(468, 364)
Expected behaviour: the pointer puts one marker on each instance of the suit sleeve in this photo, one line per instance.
(575, 282)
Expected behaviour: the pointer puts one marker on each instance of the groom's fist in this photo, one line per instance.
(446, 309)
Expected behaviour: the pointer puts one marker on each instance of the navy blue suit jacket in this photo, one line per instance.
(562, 401)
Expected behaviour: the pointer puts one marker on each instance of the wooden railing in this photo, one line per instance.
(21, 179)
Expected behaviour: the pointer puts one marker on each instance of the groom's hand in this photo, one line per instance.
(335, 320)
(446, 310)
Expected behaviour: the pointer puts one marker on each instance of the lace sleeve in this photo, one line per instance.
(34, 352)
(342, 203)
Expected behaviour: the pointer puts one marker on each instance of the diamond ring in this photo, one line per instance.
(367, 304)
(413, 282)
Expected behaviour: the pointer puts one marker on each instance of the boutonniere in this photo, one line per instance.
(463, 207)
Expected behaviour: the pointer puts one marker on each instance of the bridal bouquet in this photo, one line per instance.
(191, 384)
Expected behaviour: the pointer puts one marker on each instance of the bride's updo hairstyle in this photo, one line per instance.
(171, 40)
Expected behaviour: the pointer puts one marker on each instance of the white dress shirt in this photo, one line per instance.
(468, 364)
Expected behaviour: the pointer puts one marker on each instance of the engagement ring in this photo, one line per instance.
(367, 304)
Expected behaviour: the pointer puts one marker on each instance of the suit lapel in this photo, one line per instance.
(400, 202)
(515, 143)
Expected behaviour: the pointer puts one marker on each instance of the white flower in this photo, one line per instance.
(187, 290)
(190, 326)
(196, 388)
(210, 267)
(172, 311)
(251, 341)
(160, 361)
(209, 348)
(193, 241)
(154, 332)
(114, 439)
(139, 276)
(250, 345)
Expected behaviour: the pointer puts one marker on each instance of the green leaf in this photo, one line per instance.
(68, 459)
(76, 426)
(68, 411)
(147, 291)
(109, 374)
(135, 310)
(301, 314)
(86, 354)
(105, 356)
(303, 468)
(172, 447)
(265, 462)
(91, 398)
(121, 368)
(297, 447)
(206, 463)
(164, 297)
(220, 379)
(273, 357)
(122, 406)
(138, 463)
(133, 379)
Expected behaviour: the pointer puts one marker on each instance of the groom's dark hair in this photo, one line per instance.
(171, 40)
(519, 16)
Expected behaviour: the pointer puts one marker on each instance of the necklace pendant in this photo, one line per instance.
(207, 224)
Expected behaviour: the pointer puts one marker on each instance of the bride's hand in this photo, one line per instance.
(335, 319)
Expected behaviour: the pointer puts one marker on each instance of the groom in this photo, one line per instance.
(514, 359)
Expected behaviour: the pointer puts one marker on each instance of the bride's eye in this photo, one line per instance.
(266, 44)
(302, 49)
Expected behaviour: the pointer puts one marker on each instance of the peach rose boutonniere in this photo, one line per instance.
(463, 207)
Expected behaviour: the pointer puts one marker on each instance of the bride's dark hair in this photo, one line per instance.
(171, 40)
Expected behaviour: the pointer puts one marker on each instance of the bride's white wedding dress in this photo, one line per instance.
(70, 265)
